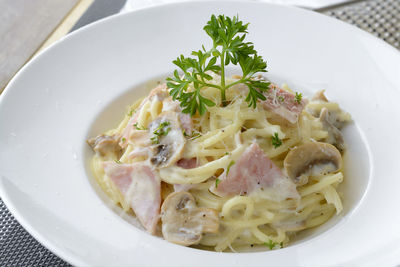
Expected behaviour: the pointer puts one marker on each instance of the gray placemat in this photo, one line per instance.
(379, 17)
(18, 248)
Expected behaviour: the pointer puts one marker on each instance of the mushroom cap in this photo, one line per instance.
(311, 158)
(183, 222)
(170, 147)
(335, 136)
(106, 145)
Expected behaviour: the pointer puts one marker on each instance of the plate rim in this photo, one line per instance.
(58, 250)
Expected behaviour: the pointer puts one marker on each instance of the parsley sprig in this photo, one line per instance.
(228, 36)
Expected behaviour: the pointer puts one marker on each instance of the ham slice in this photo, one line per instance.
(141, 186)
(282, 103)
(254, 174)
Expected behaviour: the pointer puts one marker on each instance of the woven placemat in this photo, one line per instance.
(379, 17)
(18, 248)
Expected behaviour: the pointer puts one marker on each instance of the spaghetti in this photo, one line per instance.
(216, 145)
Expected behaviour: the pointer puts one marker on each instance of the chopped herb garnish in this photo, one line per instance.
(281, 244)
(281, 98)
(123, 139)
(136, 125)
(131, 112)
(270, 244)
(217, 181)
(298, 97)
(118, 161)
(228, 36)
(229, 166)
(276, 141)
(195, 136)
(155, 140)
(226, 153)
(161, 130)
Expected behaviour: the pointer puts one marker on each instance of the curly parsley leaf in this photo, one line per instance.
(229, 46)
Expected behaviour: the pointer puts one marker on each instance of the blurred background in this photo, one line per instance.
(27, 27)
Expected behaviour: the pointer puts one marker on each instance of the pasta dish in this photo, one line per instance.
(231, 174)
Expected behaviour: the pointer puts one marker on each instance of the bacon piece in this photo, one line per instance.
(254, 173)
(282, 103)
(141, 186)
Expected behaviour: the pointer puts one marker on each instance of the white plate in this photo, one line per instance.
(80, 87)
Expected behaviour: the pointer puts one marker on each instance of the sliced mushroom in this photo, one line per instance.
(311, 159)
(335, 136)
(169, 145)
(336, 117)
(106, 145)
(318, 97)
(183, 222)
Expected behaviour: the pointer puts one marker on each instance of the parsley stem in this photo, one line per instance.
(223, 97)
(209, 85)
(234, 83)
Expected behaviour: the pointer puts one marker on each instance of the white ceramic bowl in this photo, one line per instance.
(80, 87)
